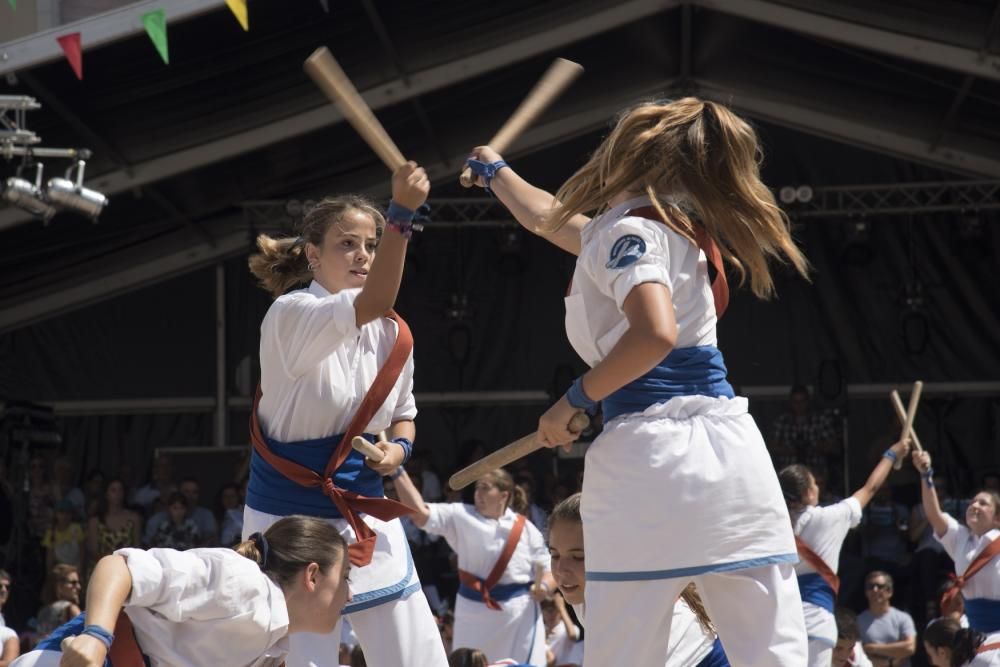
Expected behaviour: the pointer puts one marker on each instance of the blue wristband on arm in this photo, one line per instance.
(929, 477)
(578, 398)
(486, 169)
(99, 633)
(891, 455)
(407, 446)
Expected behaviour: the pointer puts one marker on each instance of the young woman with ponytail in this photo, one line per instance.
(693, 640)
(819, 534)
(948, 644)
(503, 567)
(679, 486)
(206, 606)
(336, 362)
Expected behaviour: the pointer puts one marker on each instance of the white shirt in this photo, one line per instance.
(478, 541)
(205, 607)
(963, 547)
(567, 650)
(316, 366)
(618, 254)
(824, 530)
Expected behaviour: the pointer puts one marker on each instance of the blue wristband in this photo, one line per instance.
(407, 446)
(486, 169)
(400, 218)
(399, 471)
(891, 455)
(578, 398)
(929, 477)
(100, 633)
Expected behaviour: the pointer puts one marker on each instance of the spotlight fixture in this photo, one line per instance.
(791, 194)
(70, 194)
(787, 195)
(28, 196)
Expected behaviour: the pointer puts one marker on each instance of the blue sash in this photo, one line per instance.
(687, 371)
(813, 589)
(500, 592)
(271, 492)
(717, 658)
(70, 628)
(983, 613)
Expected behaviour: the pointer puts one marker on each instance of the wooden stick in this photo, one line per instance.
(897, 403)
(331, 79)
(508, 454)
(370, 451)
(911, 412)
(556, 79)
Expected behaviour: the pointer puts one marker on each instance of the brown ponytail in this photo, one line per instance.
(292, 543)
(707, 156)
(281, 264)
(693, 601)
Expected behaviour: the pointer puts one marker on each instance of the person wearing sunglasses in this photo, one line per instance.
(888, 635)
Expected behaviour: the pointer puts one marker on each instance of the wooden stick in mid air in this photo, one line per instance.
(897, 403)
(328, 75)
(508, 454)
(911, 412)
(556, 79)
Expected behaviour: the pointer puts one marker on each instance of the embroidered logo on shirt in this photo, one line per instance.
(626, 251)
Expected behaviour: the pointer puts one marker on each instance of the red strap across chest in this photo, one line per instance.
(484, 587)
(978, 563)
(720, 287)
(349, 504)
(988, 647)
(124, 651)
(818, 564)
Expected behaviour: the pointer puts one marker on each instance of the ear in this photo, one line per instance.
(310, 576)
(312, 253)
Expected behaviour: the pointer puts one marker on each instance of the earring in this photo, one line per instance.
(313, 266)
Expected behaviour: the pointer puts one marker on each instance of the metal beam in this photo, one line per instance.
(879, 40)
(891, 139)
(486, 60)
(42, 47)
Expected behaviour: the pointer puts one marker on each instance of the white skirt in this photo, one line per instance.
(684, 488)
(516, 632)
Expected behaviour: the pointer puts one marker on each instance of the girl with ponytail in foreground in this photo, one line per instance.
(220, 606)
(679, 487)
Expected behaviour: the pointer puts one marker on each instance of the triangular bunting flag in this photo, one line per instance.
(239, 9)
(155, 23)
(71, 47)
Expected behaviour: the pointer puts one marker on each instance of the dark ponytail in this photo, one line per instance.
(291, 544)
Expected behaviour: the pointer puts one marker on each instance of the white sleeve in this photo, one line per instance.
(630, 252)
(849, 511)
(953, 536)
(443, 521)
(406, 406)
(303, 329)
(536, 543)
(191, 585)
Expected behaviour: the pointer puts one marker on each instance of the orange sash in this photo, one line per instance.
(959, 581)
(818, 564)
(484, 587)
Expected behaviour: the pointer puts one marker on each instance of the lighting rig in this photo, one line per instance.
(26, 189)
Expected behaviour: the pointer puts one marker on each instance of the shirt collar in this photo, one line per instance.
(317, 290)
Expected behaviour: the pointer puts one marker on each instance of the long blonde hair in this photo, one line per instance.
(706, 153)
(281, 263)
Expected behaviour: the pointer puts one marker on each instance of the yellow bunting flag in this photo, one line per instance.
(239, 9)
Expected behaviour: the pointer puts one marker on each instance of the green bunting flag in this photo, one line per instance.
(155, 23)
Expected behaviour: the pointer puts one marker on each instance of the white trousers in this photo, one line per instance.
(516, 632)
(757, 612)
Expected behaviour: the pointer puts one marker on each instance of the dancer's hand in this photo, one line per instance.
(83, 651)
(921, 461)
(394, 455)
(553, 426)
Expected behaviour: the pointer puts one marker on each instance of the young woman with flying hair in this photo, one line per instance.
(820, 533)
(676, 191)
(206, 606)
(948, 644)
(693, 641)
(503, 567)
(975, 548)
(336, 362)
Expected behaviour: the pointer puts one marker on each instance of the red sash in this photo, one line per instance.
(720, 287)
(988, 647)
(349, 503)
(484, 587)
(124, 651)
(978, 563)
(818, 564)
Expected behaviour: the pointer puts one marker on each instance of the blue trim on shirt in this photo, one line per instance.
(825, 641)
(686, 371)
(370, 599)
(814, 589)
(649, 575)
(272, 493)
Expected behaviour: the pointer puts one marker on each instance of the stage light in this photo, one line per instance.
(804, 194)
(28, 196)
(69, 194)
(787, 195)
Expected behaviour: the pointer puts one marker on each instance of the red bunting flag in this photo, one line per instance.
(71, 47)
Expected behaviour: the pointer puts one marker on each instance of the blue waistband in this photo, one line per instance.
(984, 614)
(687, 371)
(70, 628)
(271, 492)
(500, 592)
(814, 589)
(717, 658)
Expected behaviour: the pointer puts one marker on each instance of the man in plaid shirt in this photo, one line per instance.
(801, 436)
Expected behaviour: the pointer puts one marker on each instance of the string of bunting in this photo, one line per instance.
(155, 23)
